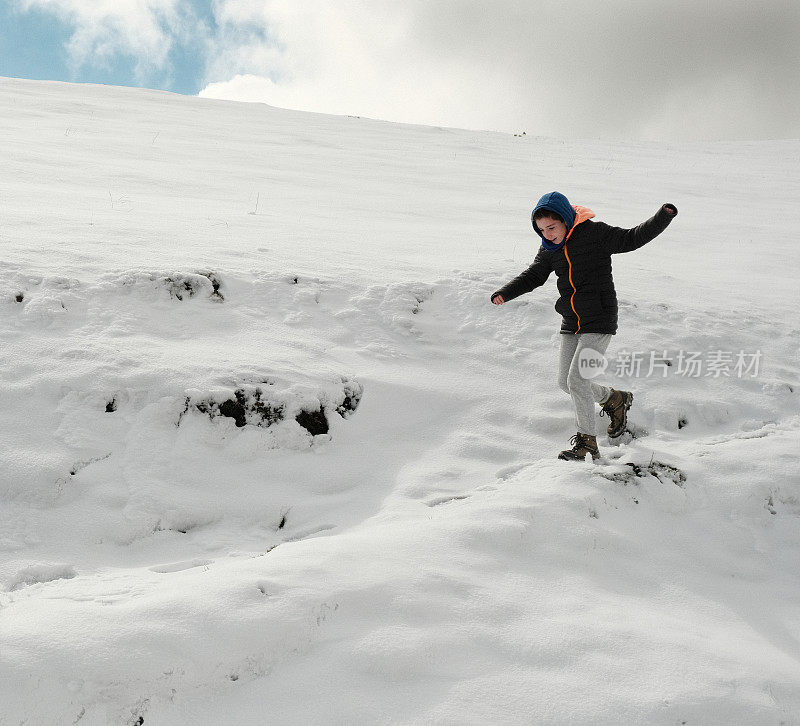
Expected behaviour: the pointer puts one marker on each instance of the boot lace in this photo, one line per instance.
(577, 441)
(608, 409)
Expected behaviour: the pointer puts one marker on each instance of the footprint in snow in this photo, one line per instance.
(37, 574)
(445, 500)
(508, 471)
(633, 431)
(180, 566)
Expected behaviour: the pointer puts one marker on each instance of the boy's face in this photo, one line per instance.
(553, 230)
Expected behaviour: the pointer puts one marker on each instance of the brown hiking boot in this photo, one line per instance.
(583, 444)
(617, 407)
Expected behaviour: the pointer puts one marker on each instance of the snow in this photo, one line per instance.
(183, 278)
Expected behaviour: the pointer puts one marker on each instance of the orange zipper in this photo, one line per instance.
(574, 289)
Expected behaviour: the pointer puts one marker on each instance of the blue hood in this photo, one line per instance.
(558, 203)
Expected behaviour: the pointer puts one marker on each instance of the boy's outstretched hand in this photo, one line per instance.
(671, 209)
(498, 300)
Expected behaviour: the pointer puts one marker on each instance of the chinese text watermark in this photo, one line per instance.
(683, 363)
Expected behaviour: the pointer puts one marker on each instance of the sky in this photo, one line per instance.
(666, 70)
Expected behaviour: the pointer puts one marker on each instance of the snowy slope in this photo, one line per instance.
(170, 260)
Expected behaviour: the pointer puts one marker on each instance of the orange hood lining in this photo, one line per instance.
(581, 215)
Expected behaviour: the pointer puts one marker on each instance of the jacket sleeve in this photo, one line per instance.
(535, 276)
(626, 240)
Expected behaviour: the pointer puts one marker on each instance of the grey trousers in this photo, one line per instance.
(575, 379)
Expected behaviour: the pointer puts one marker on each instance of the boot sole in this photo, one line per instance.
(564, 457)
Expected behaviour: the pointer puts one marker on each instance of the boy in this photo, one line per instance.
(579, 252)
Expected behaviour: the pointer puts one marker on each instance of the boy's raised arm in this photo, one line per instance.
(626, 240)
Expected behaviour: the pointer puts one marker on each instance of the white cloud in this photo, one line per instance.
(667, 69)
(367, 59)
(576, 68)
(104, 29)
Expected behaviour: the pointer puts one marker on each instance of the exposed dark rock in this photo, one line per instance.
(235, 408)
(264, 407)
(663, 472)
(352, 397)
(179, 287)
(315, 422)
(187, 402)
(182, 287)
(215, 284)
(266, 412)
(245, 407)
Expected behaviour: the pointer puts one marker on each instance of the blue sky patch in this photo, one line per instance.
(33, 44)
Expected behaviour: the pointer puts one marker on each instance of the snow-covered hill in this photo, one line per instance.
(269, 455)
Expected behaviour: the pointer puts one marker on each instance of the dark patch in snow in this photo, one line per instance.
(188, 402)
(268, 413)
(19, 297)
(215, 285)
(245, 407)
(326, 612)
(235, 409)
(180, 527)
(421, 297)
(80, 465)
(682, 422)
(315, 422)
(666, 472)
(111, 406)
(180, 286)
(637, 470)
(282, 523)
(663, 472)
(353, 391)
(257, 405)
(771, 505)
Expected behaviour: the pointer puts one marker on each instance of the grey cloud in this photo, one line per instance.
(585, 68)
(668, 69)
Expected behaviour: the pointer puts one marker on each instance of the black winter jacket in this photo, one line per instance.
(587, 299)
